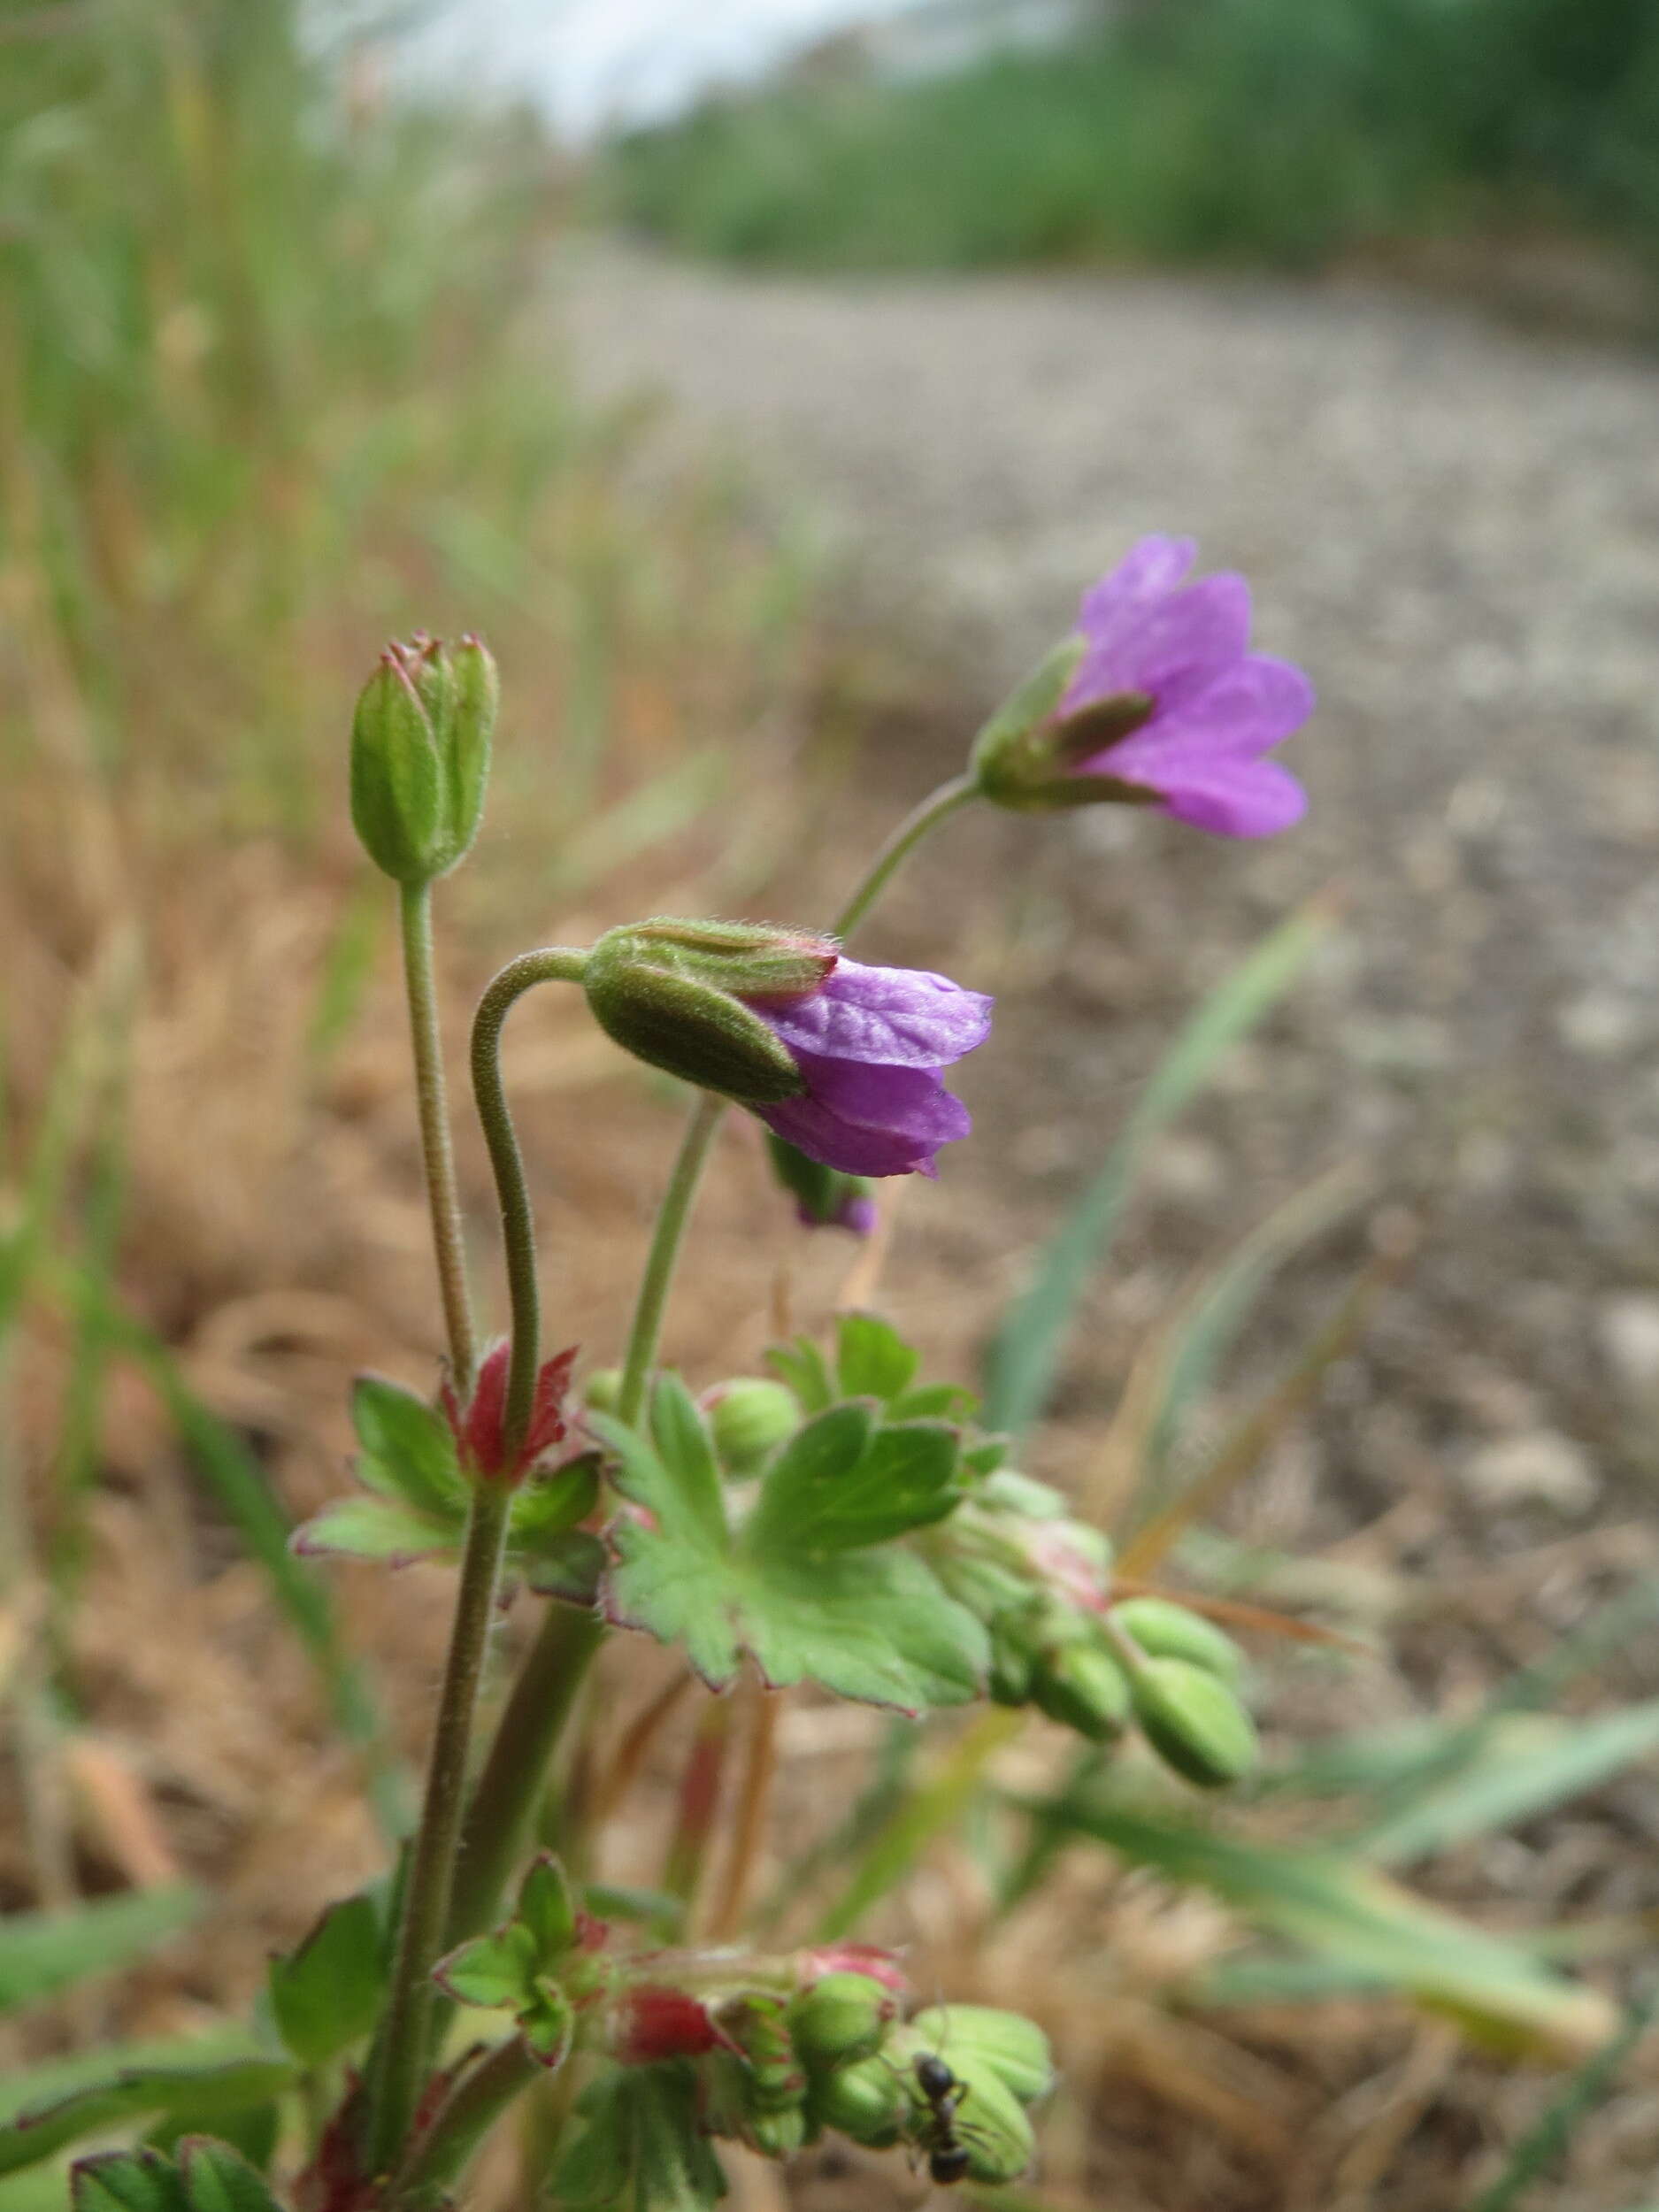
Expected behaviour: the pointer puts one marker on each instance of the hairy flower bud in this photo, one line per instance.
(674, 993)
(1165, 1630)
(420, 740)
(840, 2019)
(750, 1418)
(866, 2100)
(1194, 1722)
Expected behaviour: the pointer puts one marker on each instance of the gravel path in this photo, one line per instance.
(1456, 527)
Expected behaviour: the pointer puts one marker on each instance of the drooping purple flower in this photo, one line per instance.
(870, 1044)
(1212, 708)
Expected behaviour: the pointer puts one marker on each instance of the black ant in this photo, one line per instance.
(947, 2158)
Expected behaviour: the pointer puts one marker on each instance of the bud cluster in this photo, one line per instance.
(1040, 1582)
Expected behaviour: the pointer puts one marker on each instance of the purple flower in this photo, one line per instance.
(870, 1044)
(1213, 709)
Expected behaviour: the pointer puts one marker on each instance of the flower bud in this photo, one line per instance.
(867, 2100)
(840, 2019)
(750, 1418)
(992, 2127)
(602, 1392)
(823, 1197)
(1015, 2048)
(778, 2134)
(1194, 1722)
(648, 2022)
(668, 992)
(1014, 1658)
(1082, 1686)
(420, 741)
(1166, 1631)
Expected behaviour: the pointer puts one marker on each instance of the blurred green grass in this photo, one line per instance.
(1287, 130)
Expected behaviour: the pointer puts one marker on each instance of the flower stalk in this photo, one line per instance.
(438, 1152)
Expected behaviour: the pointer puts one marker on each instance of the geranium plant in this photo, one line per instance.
(844, 1522)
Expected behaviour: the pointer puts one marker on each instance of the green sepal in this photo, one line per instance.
(672, 993)
(1025, 756)
(549, 2025)
(325, 1995)
(218, 2179)
(547, 1908)
(496, 1973)
(397, 798)
(126, 2181)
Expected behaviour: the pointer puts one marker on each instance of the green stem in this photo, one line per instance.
(403, 2053)
(554, 964)
(463, 2120)
(505, 1797)
(659, 1263)
(448, 1239)
(921, 818)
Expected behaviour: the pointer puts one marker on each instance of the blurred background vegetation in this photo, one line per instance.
(1281, 130)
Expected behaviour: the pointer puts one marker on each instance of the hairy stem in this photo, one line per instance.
(510, 1781)
(931, 811)
(553, 964)
(664, 1252)
(447, 1241)
(462, 2122)
(404, 2039)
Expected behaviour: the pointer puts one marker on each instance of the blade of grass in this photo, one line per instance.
(1243, 1449)
(1546, 2140)
(1024, 1356)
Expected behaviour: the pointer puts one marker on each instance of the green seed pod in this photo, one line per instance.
(840, 2019)
(1013, 2047)
(420, 743)
(868, 2102)
(672, 993)
(750, 1418)
(1167, 1630)
(1082, 1686)
(1194, 1722)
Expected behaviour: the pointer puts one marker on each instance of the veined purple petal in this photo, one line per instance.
(910, 1102)
(1215, 706)
(1236, 798)
(1206, 625)
(890, 1016)
(823, 1135)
